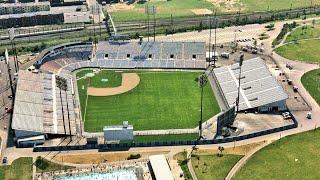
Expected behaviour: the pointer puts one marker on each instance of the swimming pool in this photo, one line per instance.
(122, 174)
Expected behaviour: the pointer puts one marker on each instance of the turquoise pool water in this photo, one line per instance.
(125, 174)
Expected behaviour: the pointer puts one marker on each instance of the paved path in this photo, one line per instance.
(190, 167)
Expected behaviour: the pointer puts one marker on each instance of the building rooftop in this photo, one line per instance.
(38, 104)
(160, 167)
(24, 4)
(258, 86)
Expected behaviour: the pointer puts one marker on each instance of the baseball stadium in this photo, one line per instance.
(151, 88)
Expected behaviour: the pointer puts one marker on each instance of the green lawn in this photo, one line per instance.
(20, 169)
(162, 100)
(178, 8)
(44, 165)
(262, 5)
(311, 81)
(182, 8)
(304, 32)
(293, 157)
(171, 137)
(213, 167)
(303, 51)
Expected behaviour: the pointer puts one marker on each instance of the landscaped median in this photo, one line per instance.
(306, 50)
(311, 81)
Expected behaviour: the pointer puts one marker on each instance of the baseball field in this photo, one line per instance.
(160, 100)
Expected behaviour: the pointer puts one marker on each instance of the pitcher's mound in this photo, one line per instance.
(201, 11)
(129, 82)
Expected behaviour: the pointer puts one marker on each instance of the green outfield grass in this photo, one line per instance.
(307, 51)
(20, 169)
(311, 81)
(213, 167)
(162, 100)
(293, 157)
(304, 32)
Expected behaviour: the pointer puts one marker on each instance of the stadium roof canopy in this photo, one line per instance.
(37, 108)
(258, 86)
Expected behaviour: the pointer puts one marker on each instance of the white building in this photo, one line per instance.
(116, 133)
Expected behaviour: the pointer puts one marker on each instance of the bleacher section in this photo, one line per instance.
(127, 55)
(151, 50)
(55, 58)
(258, 87)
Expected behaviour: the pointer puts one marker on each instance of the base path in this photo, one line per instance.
(129, 82)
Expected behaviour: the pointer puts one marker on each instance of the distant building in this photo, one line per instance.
(30, 19)
(18, 8)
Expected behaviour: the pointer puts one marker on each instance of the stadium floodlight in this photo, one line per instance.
(239, 80)
(202, 81)
(151, 10)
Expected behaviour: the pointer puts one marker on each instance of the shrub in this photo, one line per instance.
(134, 156)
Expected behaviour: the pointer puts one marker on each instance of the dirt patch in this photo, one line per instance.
(201, 11)
(102, 157)
(129, 82)
(228, 5)
(119, 7)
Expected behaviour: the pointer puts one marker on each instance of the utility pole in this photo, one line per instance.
(210, 55)
(99, 19)
(154, 24)
(9, 73)
(148, 19)
(14, 49)
(94, 28)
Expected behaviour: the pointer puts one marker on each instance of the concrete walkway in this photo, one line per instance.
(190, 167)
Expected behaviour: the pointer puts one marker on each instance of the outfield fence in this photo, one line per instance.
(126, 146)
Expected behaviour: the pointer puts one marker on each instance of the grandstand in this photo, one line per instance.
(259, 89)
(125, 55)
(57, 57)
(40, 106)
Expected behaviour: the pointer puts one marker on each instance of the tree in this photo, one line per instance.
(63, 85)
